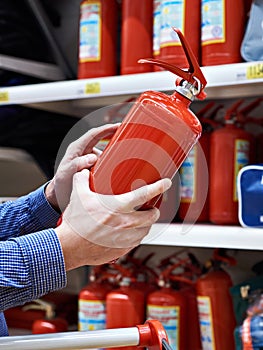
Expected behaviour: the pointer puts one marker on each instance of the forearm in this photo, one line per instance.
(27, 214)
(31, 266)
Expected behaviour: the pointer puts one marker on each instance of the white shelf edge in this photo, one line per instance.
(218, 77)
(205, 236)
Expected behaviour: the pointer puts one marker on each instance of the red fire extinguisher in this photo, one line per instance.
(231, 149)
(194, 204)
(49, 324)
(155, 136)
(125, 306)
(223, 24)
(136, 35)
(184, 15)
(216, 312)
(98, 38)
(169, 306)
(92, 301)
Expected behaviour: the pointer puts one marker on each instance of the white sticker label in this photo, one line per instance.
(206, 323)
(91, 315)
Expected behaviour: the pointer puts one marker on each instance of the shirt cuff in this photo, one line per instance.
(43, 255)
(40, 207)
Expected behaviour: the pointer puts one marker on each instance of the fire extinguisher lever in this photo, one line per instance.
(193, 75)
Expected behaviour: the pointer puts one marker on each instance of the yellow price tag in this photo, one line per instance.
(92, 88)
(4, 96)
(255, 71)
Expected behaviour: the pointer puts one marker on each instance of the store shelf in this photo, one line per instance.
(225, 81)
(205, 236)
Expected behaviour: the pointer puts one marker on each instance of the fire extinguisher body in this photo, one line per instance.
(223, 23)
(98, 38)
(193, 341)
(194, 205)
(125, 308)
(54, 325)
(185, 15)
(231, 149)
(136, 35)
(216, 313)
(151, 143)
(170, 308)
(92, 306)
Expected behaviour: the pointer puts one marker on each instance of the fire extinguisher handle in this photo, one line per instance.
(193, 75)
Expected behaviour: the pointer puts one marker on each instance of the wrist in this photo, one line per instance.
(50, 195)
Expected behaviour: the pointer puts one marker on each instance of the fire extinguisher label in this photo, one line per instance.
(91, 315)
(90, 32)
(206, 323)
(169, 316)
(213, 21)
(188, 177)
(241, 159)
(173, 14)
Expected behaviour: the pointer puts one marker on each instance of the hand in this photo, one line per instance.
(80, 155)
(99, 228)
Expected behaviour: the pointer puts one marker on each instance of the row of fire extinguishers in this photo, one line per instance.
(190, 299)
(208, 177)
(214, 29)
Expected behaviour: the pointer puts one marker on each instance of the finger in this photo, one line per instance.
(86, 161)
(97, 151)
(138, 197)
(87, 141)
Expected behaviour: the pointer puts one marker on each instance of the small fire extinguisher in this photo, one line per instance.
(125, 306)
(98, 25)
(231, 148)
(92, 301)
(216, 312)
(136, 35)
(194, 204)
(185, 15)
(49, 324)
(223, 23)
(155, 136)
(169, 306)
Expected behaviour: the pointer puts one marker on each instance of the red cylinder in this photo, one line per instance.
(98, 38)
(193, 341)
(125, 307)
(136, 35)
(92, 306)
(216, 312)
(194, 205)
(151, 143)
(184, 15)
(170, 308)
(45, 326)
(231, 149)
(223, 25)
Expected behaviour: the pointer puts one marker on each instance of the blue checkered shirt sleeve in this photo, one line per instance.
(32, 262)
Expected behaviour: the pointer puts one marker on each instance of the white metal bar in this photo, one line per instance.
(73, 340)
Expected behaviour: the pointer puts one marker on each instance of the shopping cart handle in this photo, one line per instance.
(151, 335)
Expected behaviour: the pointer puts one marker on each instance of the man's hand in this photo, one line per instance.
(99, 228)
(79, 155)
